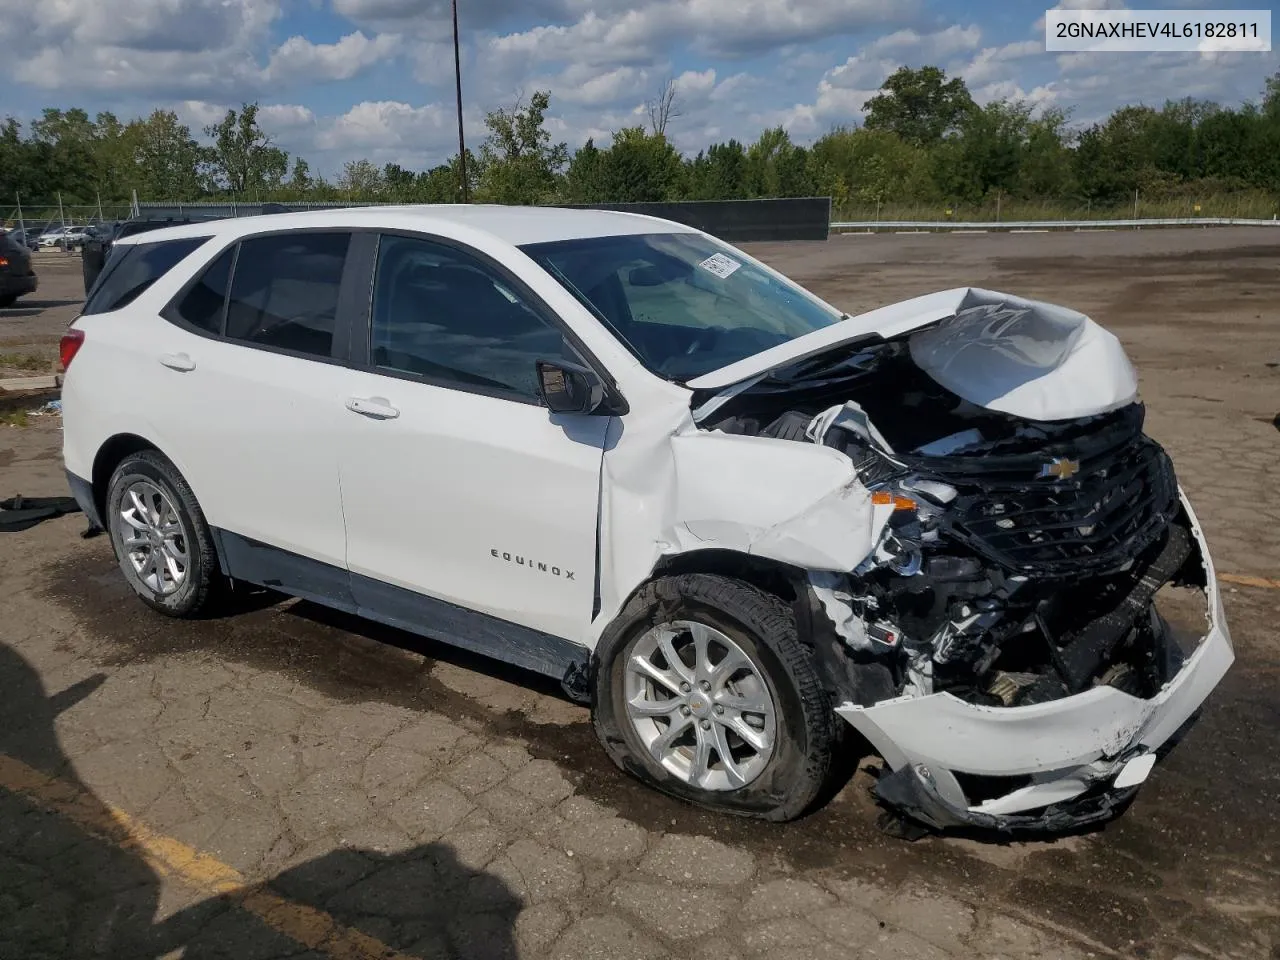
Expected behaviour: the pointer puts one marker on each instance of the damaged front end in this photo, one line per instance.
(1008, 639)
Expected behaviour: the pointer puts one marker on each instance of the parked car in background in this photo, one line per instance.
(618, 452)
(52, 236)
(75, 237)
(97, 247)
(17, 276)
(25, 238)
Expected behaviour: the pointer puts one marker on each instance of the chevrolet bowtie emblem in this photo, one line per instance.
(1060, 468)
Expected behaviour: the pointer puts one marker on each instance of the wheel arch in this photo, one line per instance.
(109, 456)
(782, 580)
(842, 677)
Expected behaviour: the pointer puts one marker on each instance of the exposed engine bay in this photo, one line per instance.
(982, 542)
(1021, 557)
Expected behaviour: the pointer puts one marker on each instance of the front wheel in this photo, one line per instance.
(704, 690)
(8, 300)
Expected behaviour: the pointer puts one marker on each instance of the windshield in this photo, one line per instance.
(683, 303)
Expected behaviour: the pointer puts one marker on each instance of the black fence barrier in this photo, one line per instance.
(738, 221)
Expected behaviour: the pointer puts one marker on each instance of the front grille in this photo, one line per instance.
(1117, 505)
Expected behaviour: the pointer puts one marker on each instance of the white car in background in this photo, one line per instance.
(616, 451)
(70, 236)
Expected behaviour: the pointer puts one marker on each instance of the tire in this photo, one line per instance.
(780, 786)
(197, 582)
(8, 300)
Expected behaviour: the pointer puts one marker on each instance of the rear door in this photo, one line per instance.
(457, 483)
(249, 391)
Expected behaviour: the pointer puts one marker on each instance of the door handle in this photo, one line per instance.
(377, 408)
(178, 361)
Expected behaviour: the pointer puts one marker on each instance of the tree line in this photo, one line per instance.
(923, 140)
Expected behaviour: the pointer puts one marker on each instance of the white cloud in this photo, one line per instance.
(713, 26)
(995, 64)
(373, 128)
(177, 46)
(196, 49)
(300, 59)
(285, 116)
(274, 118)
(695, 84)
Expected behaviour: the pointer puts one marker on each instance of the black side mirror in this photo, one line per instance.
(568, 388)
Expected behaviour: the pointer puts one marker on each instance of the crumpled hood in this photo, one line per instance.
(1022, 357)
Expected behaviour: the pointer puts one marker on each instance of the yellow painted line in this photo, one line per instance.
(310, 927)
(1247, 581)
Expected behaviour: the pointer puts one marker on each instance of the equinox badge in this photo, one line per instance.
(532, 564)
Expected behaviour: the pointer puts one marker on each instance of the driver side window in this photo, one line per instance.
(446, 317)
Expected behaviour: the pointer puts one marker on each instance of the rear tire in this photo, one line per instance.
(757, 698)
(160, 536)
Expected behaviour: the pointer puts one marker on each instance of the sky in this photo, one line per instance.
(349, 79)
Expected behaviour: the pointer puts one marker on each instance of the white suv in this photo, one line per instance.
(616, 451)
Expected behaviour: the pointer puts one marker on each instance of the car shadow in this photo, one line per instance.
(427, 647)
(73, 882)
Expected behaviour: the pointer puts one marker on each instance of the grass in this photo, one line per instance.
(25, 361)
(1243, 204)
(18, 418)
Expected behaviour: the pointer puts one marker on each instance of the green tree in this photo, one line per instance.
(719, 174)
(640, 167)
(986, 154)
(167, 163)
(24, 168)
(518, 161)
(243, 158)
(1046, 164)
(921, 106)
(362, 180)
(582, 181)
(69, 142)
(1271, 98)
(872, 166)
(399, 183)
(776, 167)
(300, 181)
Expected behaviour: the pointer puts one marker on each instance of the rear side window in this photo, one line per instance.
(132, 268)
(202, 305)
(284, 291)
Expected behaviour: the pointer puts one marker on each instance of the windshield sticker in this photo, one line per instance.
(720, 265)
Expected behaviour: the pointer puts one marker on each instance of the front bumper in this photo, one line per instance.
(1063, 758)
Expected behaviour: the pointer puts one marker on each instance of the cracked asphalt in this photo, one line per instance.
(291, 782)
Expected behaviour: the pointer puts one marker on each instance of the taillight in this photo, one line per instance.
(69, 347)
(4, 261)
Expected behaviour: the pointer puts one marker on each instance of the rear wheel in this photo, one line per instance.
(160, 536)
(704, 690)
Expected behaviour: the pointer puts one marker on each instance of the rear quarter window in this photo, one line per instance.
(132, 268)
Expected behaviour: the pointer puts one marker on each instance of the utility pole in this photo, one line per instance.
(22, 224)
(62, 219)
(462, 143)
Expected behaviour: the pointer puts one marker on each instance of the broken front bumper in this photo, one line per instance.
(1066, 763)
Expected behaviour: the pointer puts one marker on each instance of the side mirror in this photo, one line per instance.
(568, 388)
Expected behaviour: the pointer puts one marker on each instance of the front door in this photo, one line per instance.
(456, 483)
